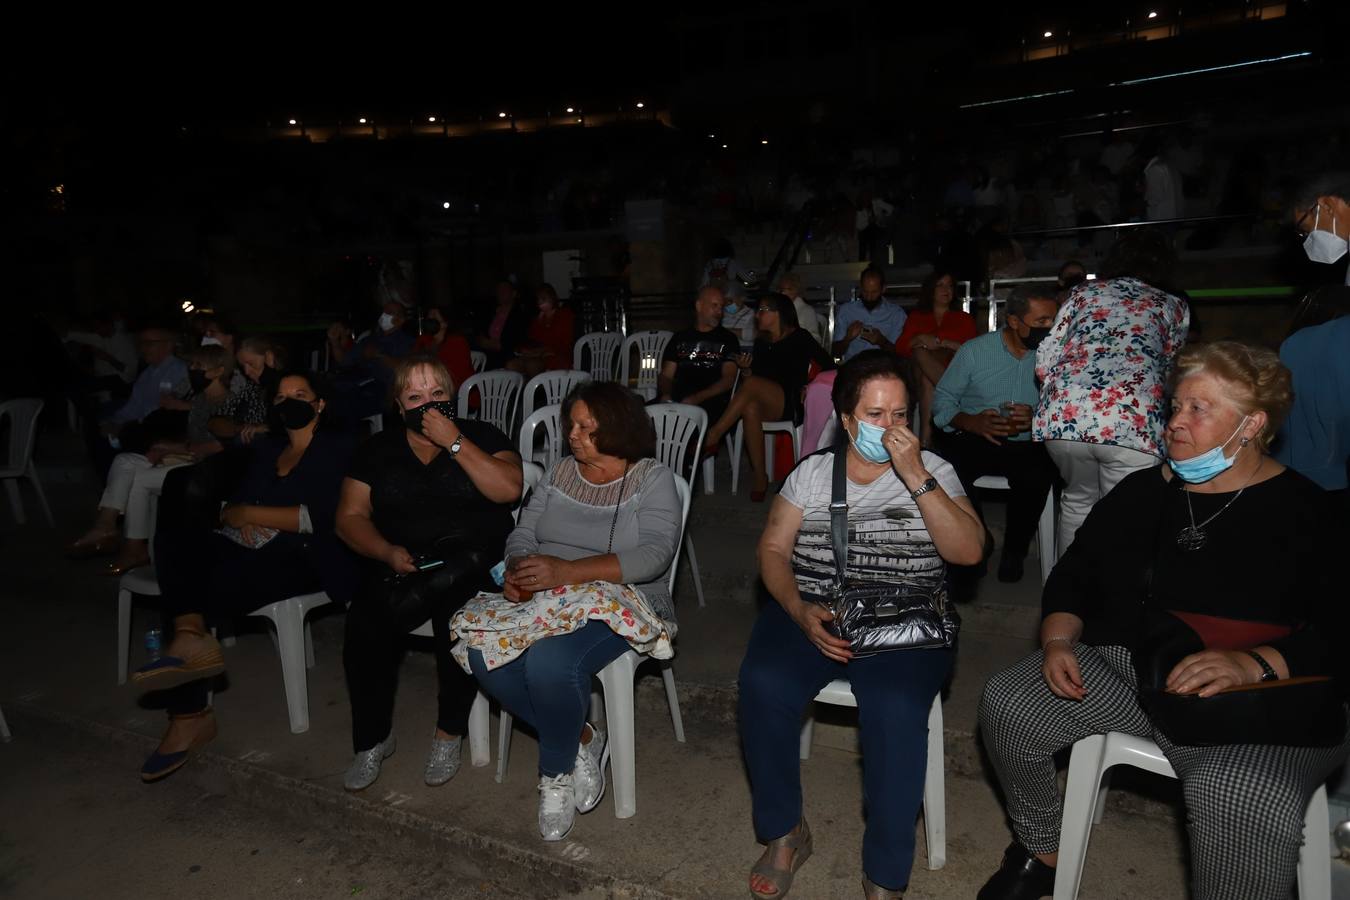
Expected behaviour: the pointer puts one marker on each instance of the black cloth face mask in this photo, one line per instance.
(412, 418)
(293, 414)
(1033, 340)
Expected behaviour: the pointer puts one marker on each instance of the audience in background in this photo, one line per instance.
(502, 325)
(439, 338)
(1315, 438)
(243, 415)
(699, 363)
(790, 285)
(548, 343)
(723, 271)
(142, 418)
(869, 321)
(1103, 371)
(778, 369)
(933, 332)
(105, 354)
(984, 403)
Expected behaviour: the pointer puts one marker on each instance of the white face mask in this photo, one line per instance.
(386, 322)
(1324, 246)
(208, 341)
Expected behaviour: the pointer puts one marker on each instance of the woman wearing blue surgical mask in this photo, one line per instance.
(908, 518)
(1221, 532)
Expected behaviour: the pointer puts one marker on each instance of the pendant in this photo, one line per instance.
(1190, 538)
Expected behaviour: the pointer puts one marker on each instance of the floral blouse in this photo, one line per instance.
(1104, 364)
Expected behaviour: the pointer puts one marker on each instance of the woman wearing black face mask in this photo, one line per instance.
(428, 507)
(275, 541)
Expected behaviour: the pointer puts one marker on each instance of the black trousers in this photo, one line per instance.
(203, 572)
(1026, 465)
(375, 641)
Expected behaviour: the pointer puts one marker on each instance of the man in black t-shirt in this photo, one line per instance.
(699, 365)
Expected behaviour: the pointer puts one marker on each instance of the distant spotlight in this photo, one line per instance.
(501, 115)
(1153, 15)
(188, 306)
(724, 146)
(570, 110)
(362, 121)
(1049, 34)
(445, 205)
(431, 118)
(578, 121)
(764, 142)
(292, 121)
(712, 137)
(640, 105)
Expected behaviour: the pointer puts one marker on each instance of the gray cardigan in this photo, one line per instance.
(570, 518)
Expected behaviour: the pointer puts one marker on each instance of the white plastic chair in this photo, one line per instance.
(651, 345)
(603, 347)
(5, 736)
(479, 360)
(497, 394)
(1045, 527)
(555, 385)
(616, 681)
(376, 423)
(678, 427)
(22, 414)
(1085, 801)
(840, 693)
(295, 645)
(547, 416)
(771, 430)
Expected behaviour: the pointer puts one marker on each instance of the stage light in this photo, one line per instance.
(1153, 15)
(712, 137)
(362, 121)
(292, 121)
(445, 205)
(570, 110)
(640, 105)
(764, 142)
(501, 115)
(1049, 34)
(187, 306)
(431, 118)
(724, 146)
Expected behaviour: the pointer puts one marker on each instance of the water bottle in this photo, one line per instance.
(154, 643)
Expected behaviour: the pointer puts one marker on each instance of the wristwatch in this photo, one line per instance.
(1267, 671)
(929, 485)
(454, 448)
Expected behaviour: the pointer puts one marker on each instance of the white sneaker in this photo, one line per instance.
(557, 806)
(365, 768)
(589, 774)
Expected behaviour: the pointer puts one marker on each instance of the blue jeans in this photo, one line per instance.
(780, 675)
(549, 686)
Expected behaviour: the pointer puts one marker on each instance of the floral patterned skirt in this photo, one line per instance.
(502, 630)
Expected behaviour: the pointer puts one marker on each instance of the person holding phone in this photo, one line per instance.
(868, 323)
(428, 508)
(984, 403)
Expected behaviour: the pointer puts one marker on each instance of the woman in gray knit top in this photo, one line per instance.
(585, 582)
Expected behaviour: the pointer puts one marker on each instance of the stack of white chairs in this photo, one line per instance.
(22, 415)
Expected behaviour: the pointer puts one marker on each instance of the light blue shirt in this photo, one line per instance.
(1315, 439)
(886, 317)
(984, 375)
(166, 377)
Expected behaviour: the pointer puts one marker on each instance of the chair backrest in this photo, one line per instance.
(533, 474)
(650, 346)
(679, 426)
(554, 384)
(548, 416)
(603, 347)
(479, 360)
(682, 488)
(22, 414)
(497, 393)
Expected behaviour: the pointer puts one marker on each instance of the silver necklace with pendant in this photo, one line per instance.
(1193, 536)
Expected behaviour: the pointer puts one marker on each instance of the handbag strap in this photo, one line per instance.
(839, 514)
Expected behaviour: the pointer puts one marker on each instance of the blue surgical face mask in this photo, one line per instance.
(1208, 464)
(868, 443)
(729, 309)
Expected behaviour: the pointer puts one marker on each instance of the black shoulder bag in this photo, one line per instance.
(877, 616)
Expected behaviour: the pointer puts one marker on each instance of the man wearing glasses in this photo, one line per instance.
(1322, 217)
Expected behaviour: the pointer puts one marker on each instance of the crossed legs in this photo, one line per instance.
(757, 400)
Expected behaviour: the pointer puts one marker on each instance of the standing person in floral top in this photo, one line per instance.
(1102, 370)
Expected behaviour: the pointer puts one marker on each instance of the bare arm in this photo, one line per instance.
(497, 476)
(665, 382)
(775, 568)
(357, 531)
(721, 386)
(952, 522)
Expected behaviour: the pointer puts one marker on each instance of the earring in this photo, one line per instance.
(1244, 441)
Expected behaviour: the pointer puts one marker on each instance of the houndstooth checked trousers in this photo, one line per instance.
(1245, 803)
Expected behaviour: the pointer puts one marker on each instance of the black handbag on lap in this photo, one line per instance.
(440, 587)
(877, 616)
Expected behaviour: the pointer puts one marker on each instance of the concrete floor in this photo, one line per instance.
(691, 836)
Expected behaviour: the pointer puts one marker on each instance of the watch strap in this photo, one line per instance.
(929, 485)
(454, 447)
(1267, 671)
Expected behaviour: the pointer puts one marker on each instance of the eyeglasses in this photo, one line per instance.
(766, 309)
(1303, 217)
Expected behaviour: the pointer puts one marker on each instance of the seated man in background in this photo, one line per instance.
(367, 366)
(699, 365)
(869, 322)
(984, 403)
(138, 422)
